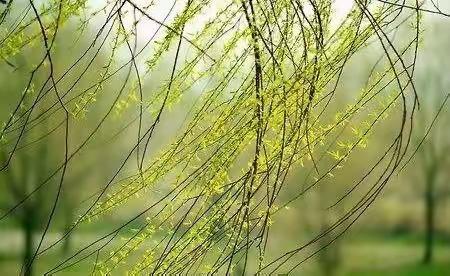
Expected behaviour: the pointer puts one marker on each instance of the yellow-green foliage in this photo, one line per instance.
(199, 165)
(270, 72)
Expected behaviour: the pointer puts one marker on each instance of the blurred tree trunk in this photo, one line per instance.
(430, 210)
(329, 257)
(69, 205)
(28, 228)
(27, 217)
(68, 219)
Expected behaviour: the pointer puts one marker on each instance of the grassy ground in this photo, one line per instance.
(398, 256)
(10, 267)
(439, 269)
(361, 257)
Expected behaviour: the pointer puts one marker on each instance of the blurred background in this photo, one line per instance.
(405, 232)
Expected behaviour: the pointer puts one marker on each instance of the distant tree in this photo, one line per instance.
(434, 160)
(433, 137)
(18, 183)
(36, 153)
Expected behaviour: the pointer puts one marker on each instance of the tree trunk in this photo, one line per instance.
(430, 206)
(67, 243)
(329, 257)
(28, 231)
